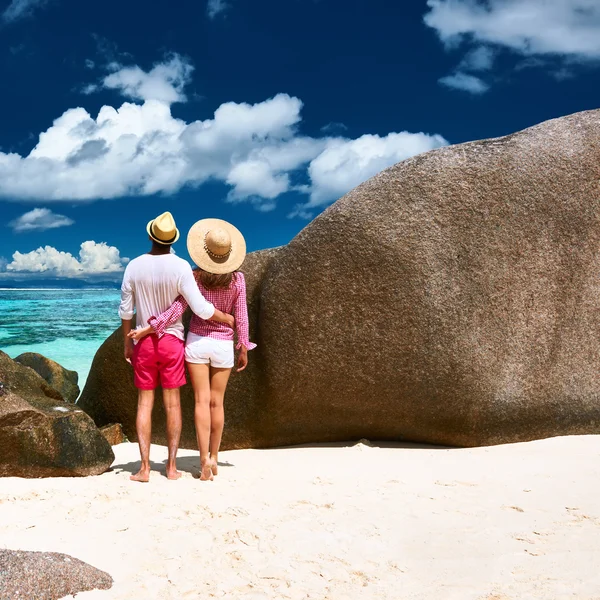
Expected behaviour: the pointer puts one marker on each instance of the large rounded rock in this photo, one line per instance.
(57, 377)
(453, 298)
(42, 436)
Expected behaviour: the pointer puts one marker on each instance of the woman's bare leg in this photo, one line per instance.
(218, 384)
(199, 374)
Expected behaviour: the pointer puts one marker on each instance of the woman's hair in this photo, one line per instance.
(213, 282)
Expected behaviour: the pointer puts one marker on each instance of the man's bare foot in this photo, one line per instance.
(206, 472)
(143, 476)
(173, 474)
(214, 466)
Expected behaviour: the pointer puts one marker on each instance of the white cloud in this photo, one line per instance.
(545, 29)
(333, 128)
(164, 82)
(39, 219)
(565, 27)
(344, 164)
(214, 7)
(141, 149)
(94, 259)
(479, 59)
(465, 82)
(19, 9)
(3, 263)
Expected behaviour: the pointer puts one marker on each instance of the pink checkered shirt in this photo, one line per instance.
(231, 300)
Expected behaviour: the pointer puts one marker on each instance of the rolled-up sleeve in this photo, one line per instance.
(127, 306)
(188, 288)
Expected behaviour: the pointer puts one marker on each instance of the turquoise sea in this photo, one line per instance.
(67, 326)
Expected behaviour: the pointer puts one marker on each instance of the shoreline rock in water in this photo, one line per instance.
(40, 434)
(451, 299)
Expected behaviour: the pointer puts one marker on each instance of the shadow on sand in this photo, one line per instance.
(371, 444)
(191, 464)
(186, 464)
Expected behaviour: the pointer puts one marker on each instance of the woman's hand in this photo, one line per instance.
(242, 359)
(138, 334)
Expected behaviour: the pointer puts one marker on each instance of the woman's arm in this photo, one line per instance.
(170, 316)
(241, 323)
(159, 324)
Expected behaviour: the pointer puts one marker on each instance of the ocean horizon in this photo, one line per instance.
(64, 324)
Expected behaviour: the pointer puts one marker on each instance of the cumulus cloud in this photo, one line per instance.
(141, 149)
(465, 82)
(546, 29)
(164, 82)
(215, 7)
(344, 164)
(39, 219)
(19, 9)
(567, 27)
(94, 259)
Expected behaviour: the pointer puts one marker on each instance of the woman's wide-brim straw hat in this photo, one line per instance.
(163, 229)
(216, 246)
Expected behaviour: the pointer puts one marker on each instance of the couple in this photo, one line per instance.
(159, 286)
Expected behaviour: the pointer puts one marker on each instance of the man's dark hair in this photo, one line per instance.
(160, 248)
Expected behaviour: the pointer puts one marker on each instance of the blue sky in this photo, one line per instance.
(262, 113)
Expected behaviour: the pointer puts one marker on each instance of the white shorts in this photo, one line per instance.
(202, 350)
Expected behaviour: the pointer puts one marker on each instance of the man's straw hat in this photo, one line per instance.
(216, 246)
(163, 230)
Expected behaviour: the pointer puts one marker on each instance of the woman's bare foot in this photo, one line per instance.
(206, 471)
(173, 473)
(214, 466)
(143, 476)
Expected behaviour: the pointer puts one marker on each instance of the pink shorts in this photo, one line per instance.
(158, 361)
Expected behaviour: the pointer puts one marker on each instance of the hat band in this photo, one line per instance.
(169, 241)
(214, 254)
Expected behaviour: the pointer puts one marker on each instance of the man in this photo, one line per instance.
(150, 285)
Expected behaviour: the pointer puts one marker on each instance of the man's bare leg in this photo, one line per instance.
(201, 383)
(218, 384)
(143, 425)
(172, 403)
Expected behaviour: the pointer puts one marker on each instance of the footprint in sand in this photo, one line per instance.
(237, 511)
(523, 539)
(534, 552)
(321, 481)
(455, 483)
(580, 517)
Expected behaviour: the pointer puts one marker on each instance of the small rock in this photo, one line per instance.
(47, 576)
(113, 434)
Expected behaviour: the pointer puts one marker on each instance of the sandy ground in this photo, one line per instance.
(337, 522)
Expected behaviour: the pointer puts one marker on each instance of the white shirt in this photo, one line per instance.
(150, 285)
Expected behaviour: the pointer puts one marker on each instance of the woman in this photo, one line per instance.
(218, 249)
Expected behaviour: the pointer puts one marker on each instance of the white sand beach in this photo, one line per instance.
(336, 522)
